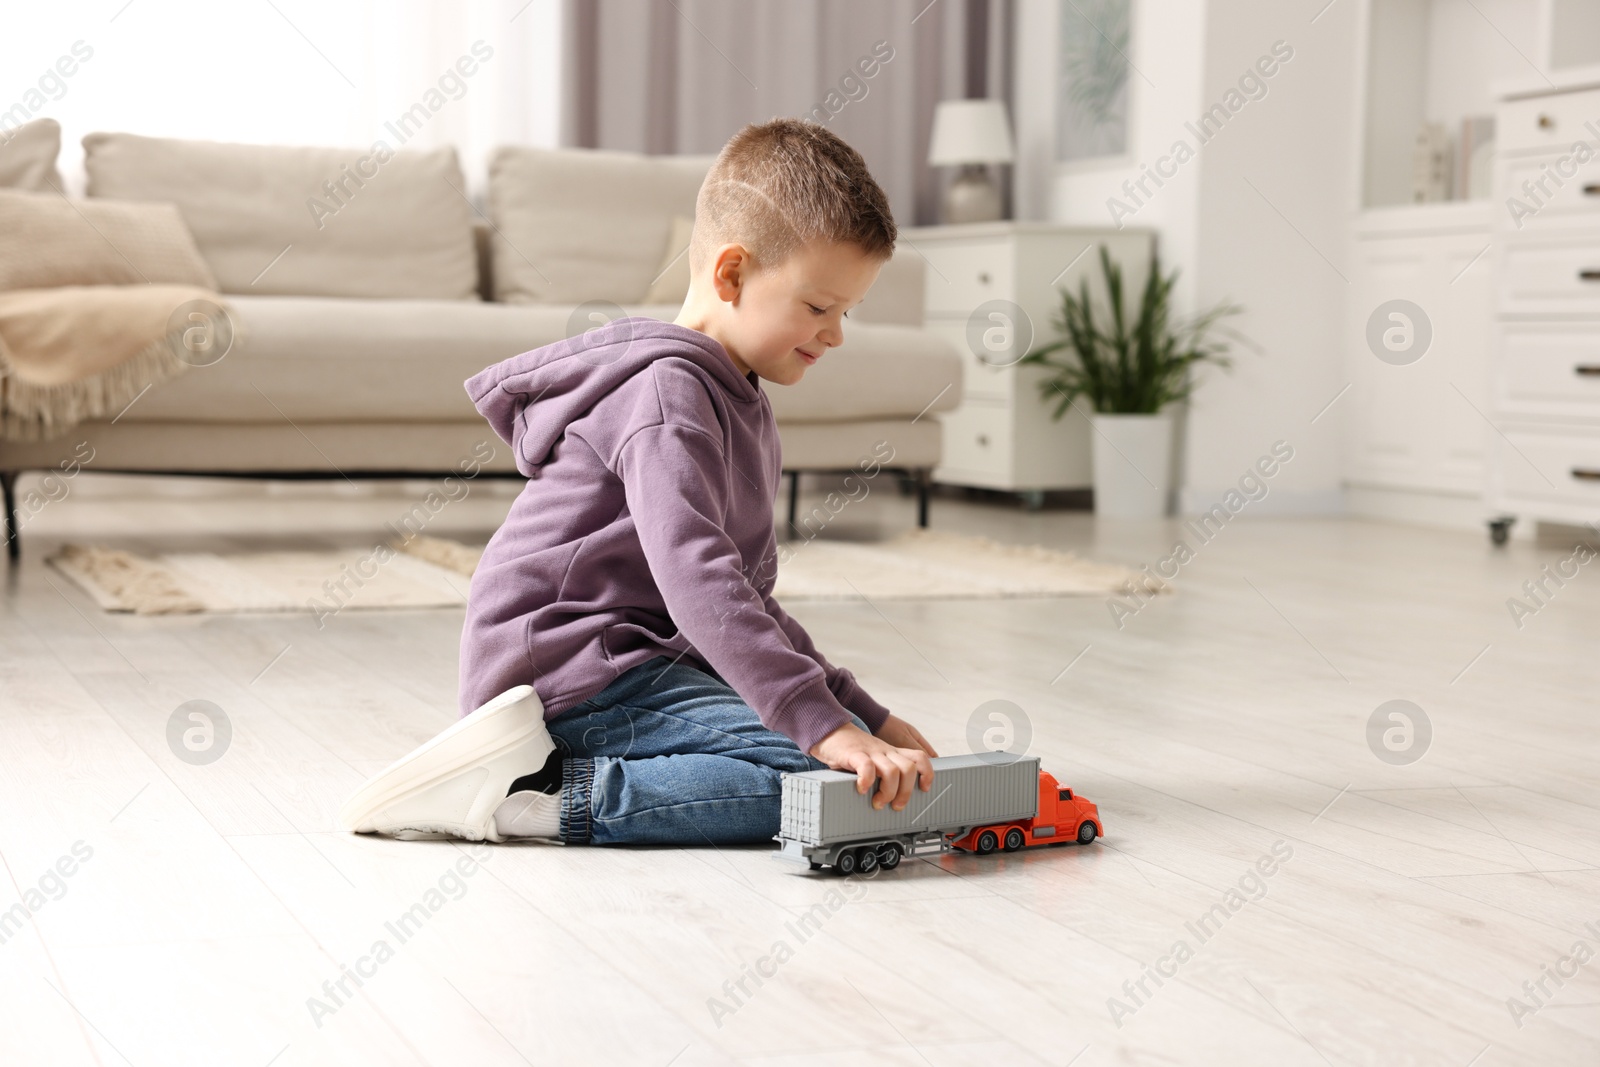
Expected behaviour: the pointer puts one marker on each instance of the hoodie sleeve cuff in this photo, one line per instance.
(872, 713)
(810, 713)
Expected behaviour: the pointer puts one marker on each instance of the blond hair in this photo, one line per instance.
(779, 185)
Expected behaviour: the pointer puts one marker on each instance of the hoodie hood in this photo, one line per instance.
(530, 399)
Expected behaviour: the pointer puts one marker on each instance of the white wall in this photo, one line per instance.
(1275, 191)
(1228, 240)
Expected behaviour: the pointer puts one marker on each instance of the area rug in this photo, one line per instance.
(431, 572)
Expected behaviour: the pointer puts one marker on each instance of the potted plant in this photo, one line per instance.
(1129, 368)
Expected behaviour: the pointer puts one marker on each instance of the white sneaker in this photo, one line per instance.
(452, 784)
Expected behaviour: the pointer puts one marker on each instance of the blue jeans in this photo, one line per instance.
(670, 754)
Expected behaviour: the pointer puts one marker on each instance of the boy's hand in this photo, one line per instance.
(902, 734)
(850, 748)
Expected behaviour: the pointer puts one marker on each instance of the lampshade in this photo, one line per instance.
(970, 131)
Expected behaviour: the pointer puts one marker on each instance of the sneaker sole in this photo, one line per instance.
(513, 719)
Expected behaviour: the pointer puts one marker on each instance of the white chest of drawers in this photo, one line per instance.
(1544, 448)
(990, 288)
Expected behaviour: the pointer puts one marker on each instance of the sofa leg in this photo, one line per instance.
(794, 501)
(924, 481)
(8, 486)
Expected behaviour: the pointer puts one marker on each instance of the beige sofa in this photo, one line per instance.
(365, 291)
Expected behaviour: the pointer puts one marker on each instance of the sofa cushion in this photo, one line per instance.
(311, 359)
(28, 156)
(273, 219)
(47, 240)
(579, 224)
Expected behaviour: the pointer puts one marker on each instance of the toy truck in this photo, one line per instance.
(978, 803)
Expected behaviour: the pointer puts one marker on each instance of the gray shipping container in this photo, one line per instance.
(823, 807)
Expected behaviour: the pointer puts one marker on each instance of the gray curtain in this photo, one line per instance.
(682, 76)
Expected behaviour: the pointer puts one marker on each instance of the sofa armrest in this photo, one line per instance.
(897, 296)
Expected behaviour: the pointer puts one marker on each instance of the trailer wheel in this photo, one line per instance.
(866, 859)
(1086, 833)
(846, 863)
(1013, 839)
(889, 856)
(987, 842)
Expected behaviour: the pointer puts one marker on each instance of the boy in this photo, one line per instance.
(628, 675)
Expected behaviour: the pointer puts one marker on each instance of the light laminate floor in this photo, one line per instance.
(209, 909)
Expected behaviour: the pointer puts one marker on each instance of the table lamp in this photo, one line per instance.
(971, 133)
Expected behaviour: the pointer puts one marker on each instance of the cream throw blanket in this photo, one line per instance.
(83, 351)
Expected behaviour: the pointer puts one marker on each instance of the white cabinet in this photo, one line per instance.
(1545, 376)
(1419, 426)
(993, 289)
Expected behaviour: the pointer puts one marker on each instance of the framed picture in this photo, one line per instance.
(1092, 68)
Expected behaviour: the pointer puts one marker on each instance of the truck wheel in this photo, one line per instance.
(1086, 833)
(889, 856)
(987, 842)
(1013, 839)
(846, 863)
(866, 859)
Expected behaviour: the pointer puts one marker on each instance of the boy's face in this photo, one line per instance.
(771, 321)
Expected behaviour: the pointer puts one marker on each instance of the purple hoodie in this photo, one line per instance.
(645, 528)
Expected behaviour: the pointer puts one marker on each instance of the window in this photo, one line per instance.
(1066, 794)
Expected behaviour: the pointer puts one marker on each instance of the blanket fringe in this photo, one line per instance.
(38, 413)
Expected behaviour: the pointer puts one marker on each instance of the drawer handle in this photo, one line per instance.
(983, 277)
(1592, 189)
(1589, 274)
(1587, 475)
(1588, 370)
(1546, 122)
(983, 439)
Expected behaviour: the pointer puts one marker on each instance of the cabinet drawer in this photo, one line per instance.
(963, 274)
(1550, 276)
(1549, 372)
(1545, 122)
(977, 438)
(1555, 467)
(1575, 202)
(978, 377)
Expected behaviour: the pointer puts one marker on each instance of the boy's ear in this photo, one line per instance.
(729, 269)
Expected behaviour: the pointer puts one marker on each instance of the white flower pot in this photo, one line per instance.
(1132, 465)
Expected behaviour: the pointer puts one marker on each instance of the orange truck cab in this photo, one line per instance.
(1061, 816)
